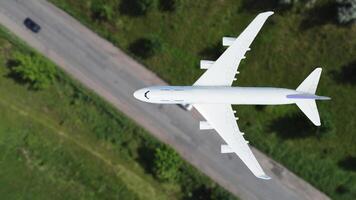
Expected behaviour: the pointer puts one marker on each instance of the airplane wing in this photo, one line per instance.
(222, 72)
(221, 117)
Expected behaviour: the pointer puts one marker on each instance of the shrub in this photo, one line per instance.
(33, 69)
(136, 7)
(218, 193)
(166, 164)
(101, 11)
(146, 47)
(346, 11)
(169, 5)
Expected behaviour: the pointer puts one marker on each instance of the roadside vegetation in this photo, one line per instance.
(31, 69)
(60, 141)
(299, 37)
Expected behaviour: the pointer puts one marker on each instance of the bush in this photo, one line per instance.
(218, 193)
(146, 47)
(136, 7)
(346, 11)
(169, 5)
(167, 164)
(33, 69)
(101, 11)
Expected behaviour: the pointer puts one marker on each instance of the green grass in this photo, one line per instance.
(39, 161)
(292, 43)
(64, 142)
(54, 143)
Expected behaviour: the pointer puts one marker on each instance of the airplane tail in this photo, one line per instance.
(306, 100)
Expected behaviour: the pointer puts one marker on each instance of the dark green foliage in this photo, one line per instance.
(319, 14)
(348, 163)
(297, 125)
(146, 47)
(32, 69)
(218, 193)
(136, 7)
(292, 126)
(167, 164)
(212, 52)
(347, 74)
(101, 11)
(260, 107)
(170, 5)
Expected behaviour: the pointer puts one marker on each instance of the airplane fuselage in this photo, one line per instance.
(217, 95)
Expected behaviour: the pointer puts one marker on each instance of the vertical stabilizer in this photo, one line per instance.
(310, 84)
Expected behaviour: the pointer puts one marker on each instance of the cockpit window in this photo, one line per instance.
(146, 94)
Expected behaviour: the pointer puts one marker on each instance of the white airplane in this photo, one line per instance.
(212, 95)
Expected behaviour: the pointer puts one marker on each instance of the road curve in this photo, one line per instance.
(115, 76)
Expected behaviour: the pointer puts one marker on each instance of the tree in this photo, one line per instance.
(167, 164)
(33, 69)
(346, 11)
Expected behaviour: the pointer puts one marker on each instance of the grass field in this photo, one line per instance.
(64, 142)
(292, 43)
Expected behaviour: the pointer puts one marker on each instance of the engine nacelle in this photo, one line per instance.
(227, 41)
(226, 149)
(206, 64)
(204, 125)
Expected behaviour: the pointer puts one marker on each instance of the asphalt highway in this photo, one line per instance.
(115, 76)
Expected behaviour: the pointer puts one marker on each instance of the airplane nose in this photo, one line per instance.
(136, 94)
(139, 94)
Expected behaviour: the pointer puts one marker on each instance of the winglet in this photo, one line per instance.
(264, 177)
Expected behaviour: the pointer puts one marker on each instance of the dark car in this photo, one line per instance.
(33, 26)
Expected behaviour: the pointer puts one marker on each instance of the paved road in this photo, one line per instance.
(113, 75)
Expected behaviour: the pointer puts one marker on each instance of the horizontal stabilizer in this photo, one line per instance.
(309, 108)
(310, 84)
